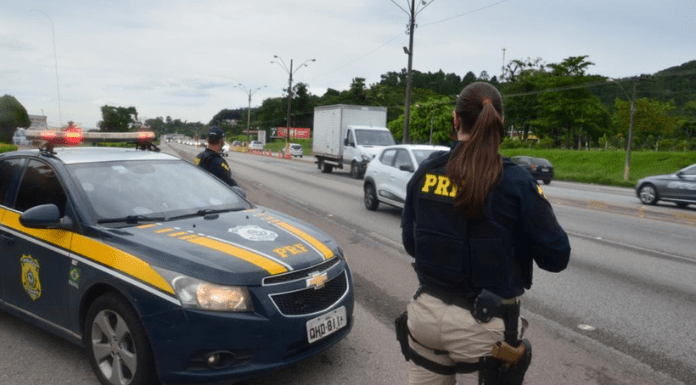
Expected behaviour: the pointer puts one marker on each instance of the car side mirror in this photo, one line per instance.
(406, 167)
(44, 217)
(680, 174)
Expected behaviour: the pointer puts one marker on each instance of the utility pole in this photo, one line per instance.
(627, 166)
(502, 73)
(290, 72)
(412, 12)
(250, 93)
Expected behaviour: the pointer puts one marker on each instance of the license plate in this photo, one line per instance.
(544, 169)
(326, 324)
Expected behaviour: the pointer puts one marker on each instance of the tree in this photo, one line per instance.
(652, 117)
(12, 115)
(553, 100)
(520, 92)
(435, 113)
(118, 119)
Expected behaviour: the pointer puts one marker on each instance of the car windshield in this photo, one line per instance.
(151, 189)
(422, 155)
(374, 138)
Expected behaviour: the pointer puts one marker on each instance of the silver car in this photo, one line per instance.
(679, 187)
(388, 173)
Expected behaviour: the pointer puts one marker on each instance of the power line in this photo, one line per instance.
(399, 35)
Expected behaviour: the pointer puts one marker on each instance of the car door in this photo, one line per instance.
(9, 174)
(349, 150)
(401, 173)
(686, 184)
(36, 262)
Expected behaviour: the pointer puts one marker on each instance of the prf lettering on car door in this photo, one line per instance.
(439, 185)
(290, 250)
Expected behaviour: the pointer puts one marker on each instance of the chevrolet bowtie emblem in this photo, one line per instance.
(317, 280)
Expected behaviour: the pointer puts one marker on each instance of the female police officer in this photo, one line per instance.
(474, 222)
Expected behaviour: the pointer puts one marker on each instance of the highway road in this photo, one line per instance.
(622, 313)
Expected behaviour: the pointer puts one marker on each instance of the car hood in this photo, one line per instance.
(234, 248)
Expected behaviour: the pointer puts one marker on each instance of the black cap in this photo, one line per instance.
(215, 134)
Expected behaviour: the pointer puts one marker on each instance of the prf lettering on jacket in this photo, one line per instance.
(439, 185)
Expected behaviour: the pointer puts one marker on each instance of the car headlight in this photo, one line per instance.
(198, 294)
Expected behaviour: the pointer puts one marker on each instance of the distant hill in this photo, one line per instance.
(675, 83)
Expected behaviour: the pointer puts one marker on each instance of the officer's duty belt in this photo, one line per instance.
(466, 303)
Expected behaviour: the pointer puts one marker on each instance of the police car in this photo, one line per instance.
(161, 283)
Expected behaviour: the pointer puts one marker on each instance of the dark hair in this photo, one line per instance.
(476, 165)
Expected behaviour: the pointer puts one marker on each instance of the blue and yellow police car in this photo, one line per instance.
(160, 270)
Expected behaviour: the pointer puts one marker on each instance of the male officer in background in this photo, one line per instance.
(211, 160)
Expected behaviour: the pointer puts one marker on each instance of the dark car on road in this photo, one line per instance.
(159, 282)
(679, 187)
(540, 168)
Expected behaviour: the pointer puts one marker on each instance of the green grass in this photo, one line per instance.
(607, 167)
(279, 144)
(4, 147)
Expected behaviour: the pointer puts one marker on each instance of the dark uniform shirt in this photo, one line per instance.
(457, 256)
(212, 162)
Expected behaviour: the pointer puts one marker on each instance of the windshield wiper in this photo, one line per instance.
(131, 219)
(204, 212)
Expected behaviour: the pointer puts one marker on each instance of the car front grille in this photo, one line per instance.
(301, 274)
(311, 300)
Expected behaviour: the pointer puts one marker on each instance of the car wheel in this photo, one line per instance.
(547, 181)
(371, 201)
(327, 168)
(354, 170)
(648, 194)
(116, 344)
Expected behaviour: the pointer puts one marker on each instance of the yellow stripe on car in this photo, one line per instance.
(321, 247)
(253, 258)
(93, 250)
(120, 260)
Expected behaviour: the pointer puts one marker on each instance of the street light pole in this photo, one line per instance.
(250, 93)
(55, 61)
(290, 72)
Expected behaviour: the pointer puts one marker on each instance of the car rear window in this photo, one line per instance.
(542, 162)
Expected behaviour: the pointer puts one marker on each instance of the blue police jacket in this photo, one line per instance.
(457, 256)
(212, 162)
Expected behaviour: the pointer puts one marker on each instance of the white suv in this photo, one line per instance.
(255, 145)
(388, 173)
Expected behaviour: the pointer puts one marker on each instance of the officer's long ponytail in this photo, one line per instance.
(476, 164)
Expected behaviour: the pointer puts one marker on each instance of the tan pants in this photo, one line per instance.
(438, 326)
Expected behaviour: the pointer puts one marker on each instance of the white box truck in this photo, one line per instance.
(349, 135)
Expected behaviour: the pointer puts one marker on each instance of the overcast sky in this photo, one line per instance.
(183, 58)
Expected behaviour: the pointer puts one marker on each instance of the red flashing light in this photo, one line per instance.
(48, 136)
(71, 136)
(145, 135)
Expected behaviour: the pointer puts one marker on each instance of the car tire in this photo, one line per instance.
(371, 201)
(117, 347)
(648, 194)
(682, 205)
(327, 168)
(547, 181)
(355, 170)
